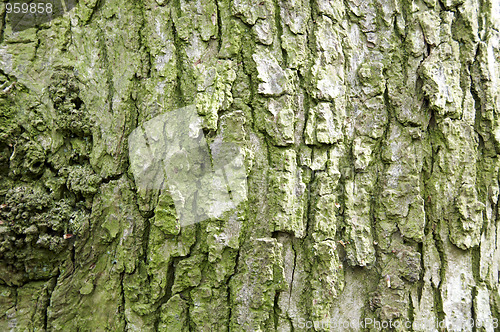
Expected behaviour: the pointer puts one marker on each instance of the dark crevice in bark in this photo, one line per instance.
(108, 179)
(103, 55)
(122, 306)
(72, 255)
(373, 219)
(428, 49)
(432, 125)
(309, 207)
(438, 301)
(168, 288)
(279, 32)
(35, 55)
(247, 72)
(145, 242)
(482, 192)
(421, 281)
(411, 310)
(95, 10)
(46, 311)
(473, 309)
(293, 270)
(219, 26)
(51, 286)
(143, 47)
(2, 31)
(442, 6)
(276, 310)
(310, 45)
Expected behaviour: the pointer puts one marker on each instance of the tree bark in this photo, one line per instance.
(370, 132)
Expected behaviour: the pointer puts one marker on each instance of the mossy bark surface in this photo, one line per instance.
(370, 132)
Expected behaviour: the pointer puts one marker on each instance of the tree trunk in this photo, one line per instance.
(370, 133)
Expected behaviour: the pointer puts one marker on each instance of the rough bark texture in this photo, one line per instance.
(371, 132)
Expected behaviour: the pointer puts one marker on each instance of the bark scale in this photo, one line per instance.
(371, 136)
